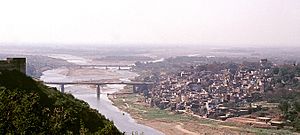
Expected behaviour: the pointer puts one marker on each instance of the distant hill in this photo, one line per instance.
(37, 64)
(29, 107)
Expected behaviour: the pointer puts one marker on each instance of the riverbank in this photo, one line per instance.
(180, 124)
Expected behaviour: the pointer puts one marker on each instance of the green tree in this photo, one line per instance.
(29, 107)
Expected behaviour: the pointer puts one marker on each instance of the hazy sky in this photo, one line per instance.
(222, 22)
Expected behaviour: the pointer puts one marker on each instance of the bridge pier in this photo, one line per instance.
(62, 88)
(106, 67)
(134, 88)
(119, 67)
(98, 92)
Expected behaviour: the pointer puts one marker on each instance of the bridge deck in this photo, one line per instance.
(105, 65)
(99, 83)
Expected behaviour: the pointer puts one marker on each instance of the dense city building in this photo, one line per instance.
(217, 90)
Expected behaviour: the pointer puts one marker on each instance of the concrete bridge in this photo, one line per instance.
(98, 84)
(120, 67)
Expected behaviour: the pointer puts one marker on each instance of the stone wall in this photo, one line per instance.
(14, 64)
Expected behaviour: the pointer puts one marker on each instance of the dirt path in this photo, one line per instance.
(167, 128)
(179, 127)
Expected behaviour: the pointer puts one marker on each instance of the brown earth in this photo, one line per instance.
(190, 128)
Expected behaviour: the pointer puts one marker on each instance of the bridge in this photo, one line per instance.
(107, 66)
(98, 84)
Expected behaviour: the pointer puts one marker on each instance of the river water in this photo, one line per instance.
(123, 121)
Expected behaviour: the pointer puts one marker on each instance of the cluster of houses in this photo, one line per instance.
(218, 94)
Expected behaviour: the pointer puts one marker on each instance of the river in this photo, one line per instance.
(123, 121)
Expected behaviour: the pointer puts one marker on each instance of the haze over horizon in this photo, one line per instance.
(168, 22)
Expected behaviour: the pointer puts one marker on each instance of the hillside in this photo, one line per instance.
(29, 107)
